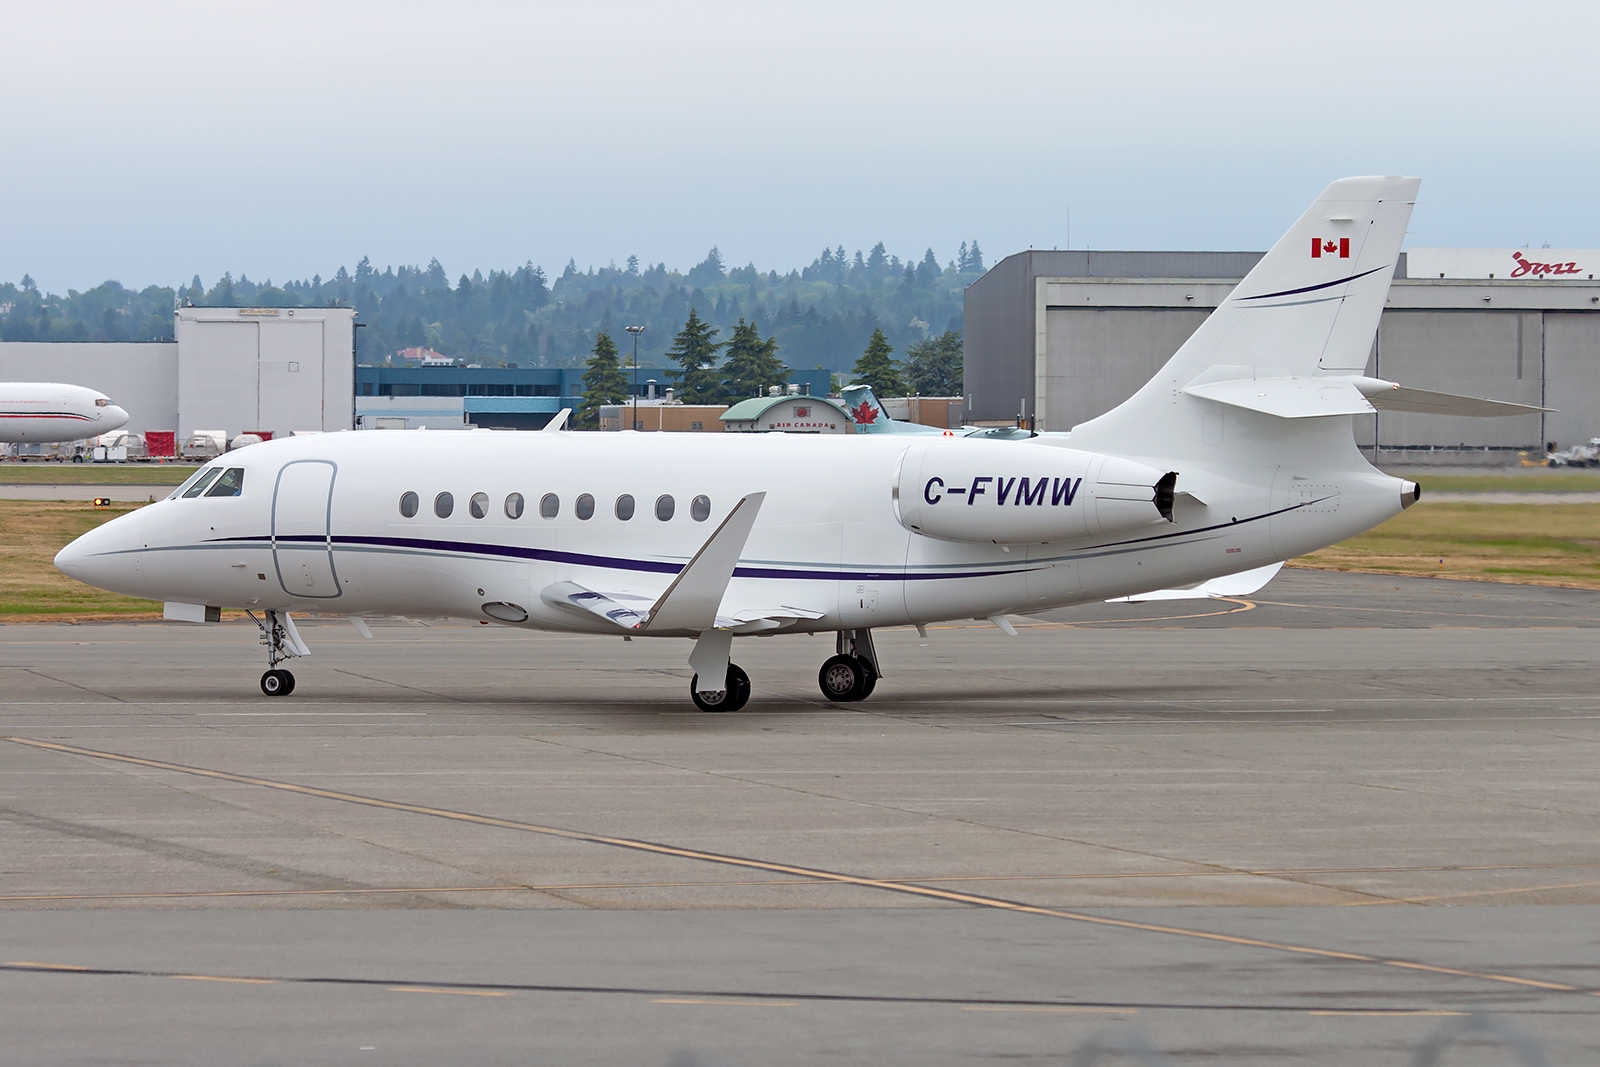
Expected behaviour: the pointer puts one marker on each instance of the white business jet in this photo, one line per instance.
(1238, 455)
(46, 411)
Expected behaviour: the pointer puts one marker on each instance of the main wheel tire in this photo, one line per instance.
(843, 679)
(288, 680)
(735, 693)
(276, 683)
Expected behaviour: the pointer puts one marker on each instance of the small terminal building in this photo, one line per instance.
(1055, 338)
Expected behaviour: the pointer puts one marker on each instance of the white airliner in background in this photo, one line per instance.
(47, 411)
(1238, 455)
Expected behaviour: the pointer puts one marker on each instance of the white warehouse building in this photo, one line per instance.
(262, 370)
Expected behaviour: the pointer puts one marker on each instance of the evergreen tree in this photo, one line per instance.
(877, 369)
(933, 367)
(695, 353)
(752, 364)
(603, 382)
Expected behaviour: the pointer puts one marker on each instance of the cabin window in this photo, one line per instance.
(700, 508)
(230, 484)
(478, 505)
(514, 506)
(665, 506)
(583, 507)
(200, 486)
(408, 505)
(624, 507)
(443, 505)
(549, 505)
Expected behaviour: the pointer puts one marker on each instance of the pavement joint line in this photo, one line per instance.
(906, 888)
(727, 1002)
(1474, 893)
(1223, 872)
(753, 997)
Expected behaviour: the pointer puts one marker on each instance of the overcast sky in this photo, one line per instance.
(281, 139)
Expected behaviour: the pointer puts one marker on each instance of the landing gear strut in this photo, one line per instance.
(734, 695)
(853, 673)
(283, 642)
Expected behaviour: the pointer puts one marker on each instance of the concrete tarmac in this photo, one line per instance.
(1323, 824)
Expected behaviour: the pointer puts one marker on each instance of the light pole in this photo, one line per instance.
(636, 331)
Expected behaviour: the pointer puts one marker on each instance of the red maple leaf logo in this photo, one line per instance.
(864, 414)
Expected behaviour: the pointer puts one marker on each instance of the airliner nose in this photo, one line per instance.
(114, 418)
(107, 557)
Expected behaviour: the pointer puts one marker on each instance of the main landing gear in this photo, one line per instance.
(283, 642)
(734, 695)
(852, 674)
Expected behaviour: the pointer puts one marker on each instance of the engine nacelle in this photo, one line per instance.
(1009, 492)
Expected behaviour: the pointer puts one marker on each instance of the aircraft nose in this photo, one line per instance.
(107, 557)
(113, 418)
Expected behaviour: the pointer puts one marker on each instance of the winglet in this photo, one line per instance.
(691, 601)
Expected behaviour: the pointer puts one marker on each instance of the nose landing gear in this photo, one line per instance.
(853, 673)
(283, 642)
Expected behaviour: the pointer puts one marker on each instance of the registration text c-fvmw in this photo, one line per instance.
(1238, 455)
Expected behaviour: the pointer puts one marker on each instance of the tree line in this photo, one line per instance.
(708, 371)
(821, 315)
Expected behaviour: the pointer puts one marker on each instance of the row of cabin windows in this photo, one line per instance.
(444, 505)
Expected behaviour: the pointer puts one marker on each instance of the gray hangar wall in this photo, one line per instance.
(233, 369)
(1064, 348)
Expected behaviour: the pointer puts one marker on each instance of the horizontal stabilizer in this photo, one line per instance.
(691, 601)
(1288, 398)
(1242, 584)
(1388, 396)
(1309, 398)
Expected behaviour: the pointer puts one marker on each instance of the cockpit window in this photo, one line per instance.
(230, 484)
(184, 488)
(101, 402)
(200, 484)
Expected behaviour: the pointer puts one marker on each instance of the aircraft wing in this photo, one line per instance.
(579, 600)
(1241, 584)
(614, 610)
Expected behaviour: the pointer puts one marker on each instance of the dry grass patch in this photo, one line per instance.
(14, 473)
(1545, 544)
(31, 533)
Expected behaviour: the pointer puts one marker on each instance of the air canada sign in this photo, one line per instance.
(1516, 264)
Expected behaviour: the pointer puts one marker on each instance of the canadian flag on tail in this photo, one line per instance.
(1320, 245)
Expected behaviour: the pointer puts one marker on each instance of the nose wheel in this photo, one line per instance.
(277, 683)
(735, 694)
(282, 642)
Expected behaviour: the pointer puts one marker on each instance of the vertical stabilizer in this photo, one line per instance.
(1309, 308)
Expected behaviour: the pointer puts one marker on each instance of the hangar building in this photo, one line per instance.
(277, 370)
(1058, 337)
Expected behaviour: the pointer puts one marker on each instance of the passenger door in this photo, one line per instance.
(302, 536)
